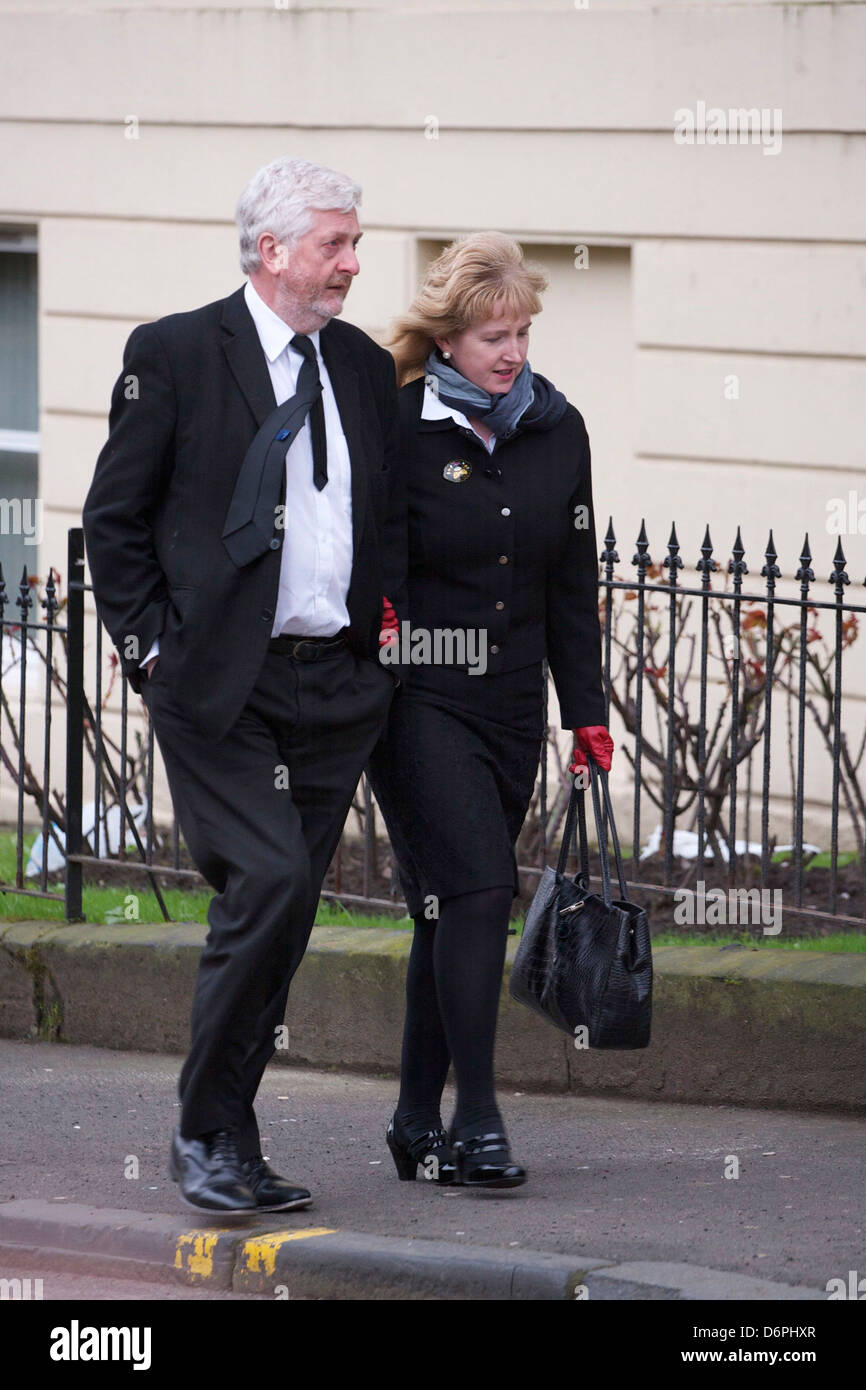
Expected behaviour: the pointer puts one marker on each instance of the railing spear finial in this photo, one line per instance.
(609, 556)
(805, 573)
(706, 565)
(673, 561)
(642, 557)
(839, 578)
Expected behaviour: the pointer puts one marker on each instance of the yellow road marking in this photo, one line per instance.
(260, 1253)
(194, 1252)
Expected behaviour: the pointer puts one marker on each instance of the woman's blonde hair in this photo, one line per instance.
(475, 277)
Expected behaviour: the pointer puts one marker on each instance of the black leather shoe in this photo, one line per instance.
(272, 1193)
(431, 1150)
(209, 1173)
(485, 1161)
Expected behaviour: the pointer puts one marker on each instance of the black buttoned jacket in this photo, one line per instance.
(511, 548)
(194, 390)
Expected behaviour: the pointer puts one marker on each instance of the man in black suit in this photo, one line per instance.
(245, 522)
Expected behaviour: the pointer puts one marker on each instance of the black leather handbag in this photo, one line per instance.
(584, 961)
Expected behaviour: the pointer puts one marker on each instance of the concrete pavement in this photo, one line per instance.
(627, 1198)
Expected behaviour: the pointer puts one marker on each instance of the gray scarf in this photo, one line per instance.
(532, 401)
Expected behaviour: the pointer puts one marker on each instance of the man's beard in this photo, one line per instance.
(324, 310)
(301, 302)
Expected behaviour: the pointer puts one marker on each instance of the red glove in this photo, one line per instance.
(593, 739)
(390, 629)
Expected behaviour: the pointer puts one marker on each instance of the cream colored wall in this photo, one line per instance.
(555, 123)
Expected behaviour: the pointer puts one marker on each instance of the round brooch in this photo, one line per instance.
(457, 471)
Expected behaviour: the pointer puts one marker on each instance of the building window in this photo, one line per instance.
(20, 505)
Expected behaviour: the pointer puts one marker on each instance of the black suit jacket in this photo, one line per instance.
(500, 551)
(193, 392)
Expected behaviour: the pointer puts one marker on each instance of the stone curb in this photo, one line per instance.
(731, 1025)
(319, 1262)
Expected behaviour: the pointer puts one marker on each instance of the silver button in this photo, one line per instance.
(506, 511)
(503, 559)
(494, 649)
(500, 605)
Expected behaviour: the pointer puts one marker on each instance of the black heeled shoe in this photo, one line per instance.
(485, 1161)
(432, 1150)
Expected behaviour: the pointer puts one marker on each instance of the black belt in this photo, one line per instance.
(307, 648)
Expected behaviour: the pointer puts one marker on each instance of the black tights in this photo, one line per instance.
(452, 997)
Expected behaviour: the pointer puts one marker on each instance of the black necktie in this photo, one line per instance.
(309, 373)
(251, 521)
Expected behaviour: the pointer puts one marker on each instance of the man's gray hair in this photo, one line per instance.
(281, 198)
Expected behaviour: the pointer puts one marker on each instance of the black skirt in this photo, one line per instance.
(454, 774)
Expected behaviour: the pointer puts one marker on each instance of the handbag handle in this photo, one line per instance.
(576, 809)
(568, 831)
(596, 775)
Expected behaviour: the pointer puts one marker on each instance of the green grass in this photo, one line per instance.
(128, 905)
(114, 905)
(331, 914)
(7, 852)
(824, 860)
(837, 941)
(192, 907)
(821, 860)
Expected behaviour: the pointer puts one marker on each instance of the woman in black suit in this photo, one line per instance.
(502, 573)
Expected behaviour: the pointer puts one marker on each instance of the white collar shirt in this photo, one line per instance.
(316, 559)
(433, 408)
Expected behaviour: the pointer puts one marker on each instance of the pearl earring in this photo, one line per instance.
(446, 355)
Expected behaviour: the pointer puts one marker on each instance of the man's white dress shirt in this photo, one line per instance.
(316, 562)
(316, 559)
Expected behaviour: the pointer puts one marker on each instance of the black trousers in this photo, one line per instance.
(261, 812)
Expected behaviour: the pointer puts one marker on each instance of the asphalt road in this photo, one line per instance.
(65, 1286)
(613, 1179)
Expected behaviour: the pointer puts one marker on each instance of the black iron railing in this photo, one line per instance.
(20, 652)
(759, 679)
(702, 677)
